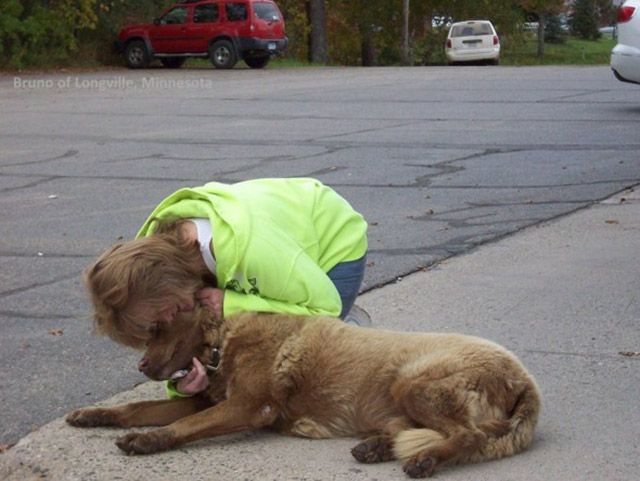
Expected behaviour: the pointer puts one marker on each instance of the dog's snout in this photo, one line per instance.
(143, 364)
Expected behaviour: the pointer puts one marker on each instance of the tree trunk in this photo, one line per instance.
(542, 19)
(405, 32)
(367, 50)
(318, 50)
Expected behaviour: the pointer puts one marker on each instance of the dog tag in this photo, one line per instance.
(179, 374)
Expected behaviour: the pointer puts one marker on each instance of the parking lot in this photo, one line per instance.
(439, 160)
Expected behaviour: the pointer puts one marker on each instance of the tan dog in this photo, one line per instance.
(426, 399)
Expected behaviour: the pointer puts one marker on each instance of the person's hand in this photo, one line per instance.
(194, 382)
(213, 298)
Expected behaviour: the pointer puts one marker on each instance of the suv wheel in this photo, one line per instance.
(222, 54)
(136, 54)
(257, 62)
(172, 62)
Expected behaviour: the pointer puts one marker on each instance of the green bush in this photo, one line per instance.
(31, 34)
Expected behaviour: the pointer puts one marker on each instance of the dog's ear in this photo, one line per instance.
(207, 317)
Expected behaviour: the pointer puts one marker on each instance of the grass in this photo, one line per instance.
(278, 62)
(573, 52)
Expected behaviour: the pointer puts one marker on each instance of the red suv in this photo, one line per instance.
(223, 30)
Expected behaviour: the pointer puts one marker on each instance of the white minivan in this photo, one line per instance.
(625, 56)
(472, 41)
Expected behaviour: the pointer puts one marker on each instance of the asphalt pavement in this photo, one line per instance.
(439, 160)
(563, 295)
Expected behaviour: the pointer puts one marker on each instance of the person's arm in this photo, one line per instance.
(303, 289)
(236, 302)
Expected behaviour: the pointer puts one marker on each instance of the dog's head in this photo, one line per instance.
(172, 346)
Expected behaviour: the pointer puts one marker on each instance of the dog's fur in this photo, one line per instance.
(426, 399)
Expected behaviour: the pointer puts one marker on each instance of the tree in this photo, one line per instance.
(583, 21)
(39, 31)
(542, 8)
(555, 31)
(318, 49)
(405, 32)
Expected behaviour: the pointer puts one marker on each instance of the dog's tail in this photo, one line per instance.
(499, 438)
(519, 427)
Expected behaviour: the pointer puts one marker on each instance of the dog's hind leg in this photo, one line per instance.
(443, 407)
(379, 448)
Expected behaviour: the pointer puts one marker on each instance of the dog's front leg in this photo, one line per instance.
(229, 416)
(145, 413)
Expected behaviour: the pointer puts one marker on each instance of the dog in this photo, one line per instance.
(427, 399)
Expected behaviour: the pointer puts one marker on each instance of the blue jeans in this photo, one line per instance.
(347, 277)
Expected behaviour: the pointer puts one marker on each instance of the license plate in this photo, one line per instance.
(271, 45)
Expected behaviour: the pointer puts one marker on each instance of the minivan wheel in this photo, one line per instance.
(172, 62)
(136, 54)
(257, 62)
(223, 54)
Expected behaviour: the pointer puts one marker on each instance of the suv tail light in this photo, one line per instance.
(625, 13)
(495, 40)
(449, 43)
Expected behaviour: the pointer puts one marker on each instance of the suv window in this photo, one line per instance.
(236, 12)
(206, 13)
(176, 16)
(266, 11)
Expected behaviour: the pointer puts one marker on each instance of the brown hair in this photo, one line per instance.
(147, 272)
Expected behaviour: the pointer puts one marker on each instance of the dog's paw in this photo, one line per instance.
(376, 449)
(146, 443)
(92, 417)
(420, 467)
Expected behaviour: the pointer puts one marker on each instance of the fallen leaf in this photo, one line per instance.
(629, 353)
(612, 221)
(56, 332)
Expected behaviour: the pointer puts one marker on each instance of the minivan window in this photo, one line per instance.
(175, 16)
(266, 11)
(236, 11)
(468, 30)
(206, 13)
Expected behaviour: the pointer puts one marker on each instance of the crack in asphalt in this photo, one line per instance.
(45, 255)
(68, 154)
(320, 171)
(599, 355)
(36, 315)
(536, 147)
(275, 117)
(35, 183)
(36, 285)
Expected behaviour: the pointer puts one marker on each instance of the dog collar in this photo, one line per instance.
(214, 362)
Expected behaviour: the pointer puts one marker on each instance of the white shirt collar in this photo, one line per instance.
(205, 238)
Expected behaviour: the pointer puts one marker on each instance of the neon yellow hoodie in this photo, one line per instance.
(274, 240)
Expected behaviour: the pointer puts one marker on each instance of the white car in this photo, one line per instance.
(625, 56)
(472, 41)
